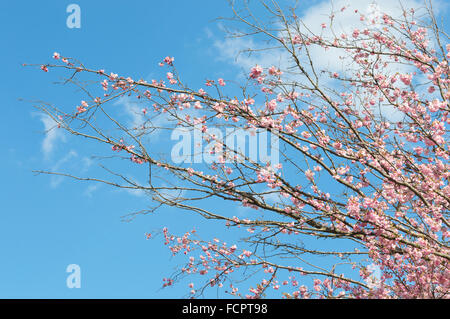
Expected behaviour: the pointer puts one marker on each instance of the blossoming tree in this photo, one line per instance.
(362, 178)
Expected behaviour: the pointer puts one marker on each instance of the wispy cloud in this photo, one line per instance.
(244, 53)
(136, 117)
(52, 135)
(87, 163)
(345, 22)
(89, 191)
(232, 50)
(55, 180)
(133, 110)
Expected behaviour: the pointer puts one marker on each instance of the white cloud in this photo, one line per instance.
(234, 51)
(87, 163)
(171, 194)
(231, 49)
(345, 22)
(91, 189)
(135, 192)
(55, 180)
(52, 135)
(133, 111)
(244, 211)
(272, 198)
(209, 34)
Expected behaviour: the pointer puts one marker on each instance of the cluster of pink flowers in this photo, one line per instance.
(256, 72)
(368, 177)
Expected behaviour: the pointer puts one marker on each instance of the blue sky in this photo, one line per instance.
(47, 223)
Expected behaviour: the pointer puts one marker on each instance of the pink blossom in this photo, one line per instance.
(406, 78)
(169, 60)
(271, 105)
(81, 109)
(309, 175)
(256, 71)
(274, 71)
(113, 76)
